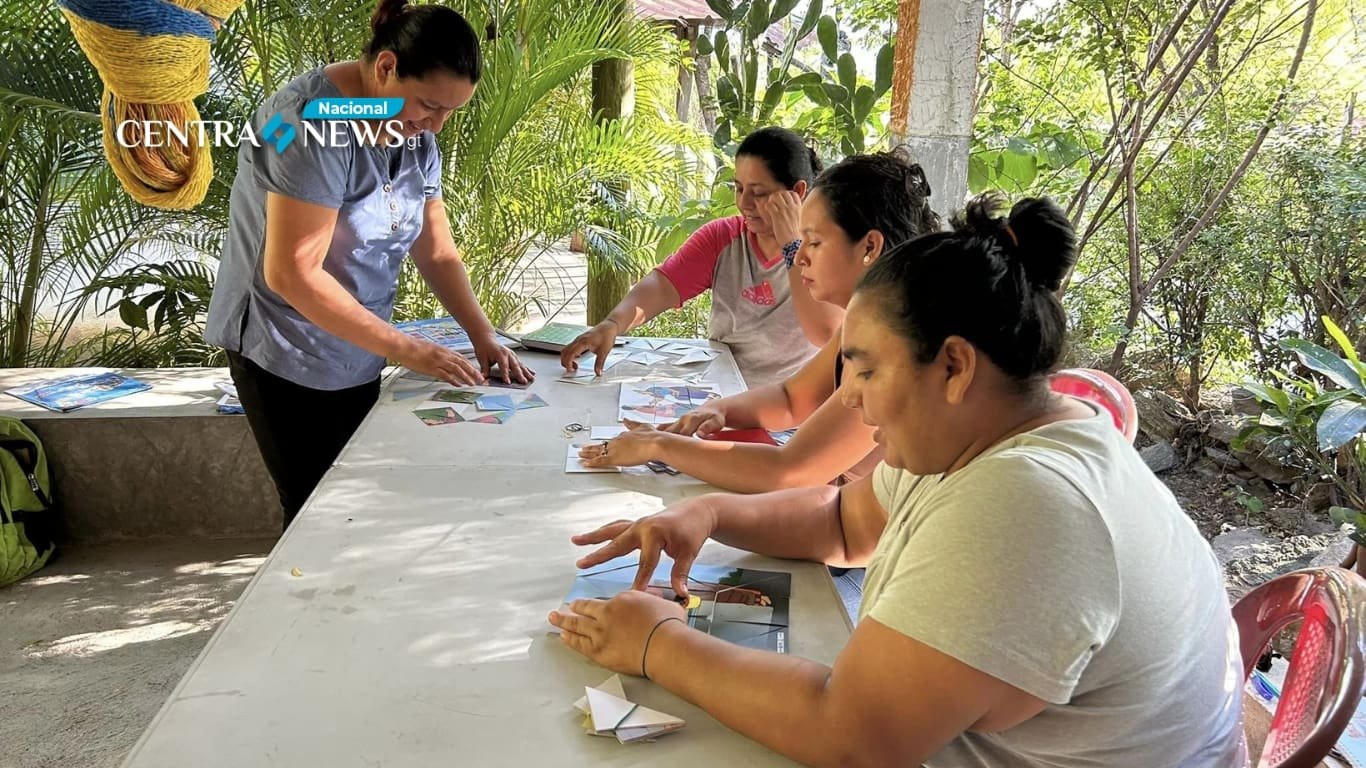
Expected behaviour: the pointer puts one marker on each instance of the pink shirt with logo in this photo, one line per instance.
(751, 301)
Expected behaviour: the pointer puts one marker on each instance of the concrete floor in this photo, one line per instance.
(93, 644)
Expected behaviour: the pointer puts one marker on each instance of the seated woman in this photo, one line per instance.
(857, 210)
(758, 307)
(1035, 596)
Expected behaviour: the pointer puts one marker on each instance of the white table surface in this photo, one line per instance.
(416, 634)
(391, 436)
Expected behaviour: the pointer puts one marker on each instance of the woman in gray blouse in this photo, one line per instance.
(318, 232)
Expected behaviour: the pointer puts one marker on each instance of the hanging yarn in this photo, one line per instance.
(153, 57)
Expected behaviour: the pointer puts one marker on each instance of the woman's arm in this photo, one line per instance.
(439, 262)
(649, 297)
(773, 406)
(889, 700)
(297, 237)
(828, 444)
(835, 526)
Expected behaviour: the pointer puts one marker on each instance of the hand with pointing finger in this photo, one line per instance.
(679, 531)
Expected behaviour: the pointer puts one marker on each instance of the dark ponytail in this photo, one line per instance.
(784, 153)
(425, 38)
(991, 281)
(885, 191)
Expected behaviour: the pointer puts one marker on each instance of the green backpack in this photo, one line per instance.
(26, 515)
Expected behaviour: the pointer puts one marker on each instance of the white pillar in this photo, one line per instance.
(936, 119)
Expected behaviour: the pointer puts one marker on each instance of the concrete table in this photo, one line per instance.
(416, 633)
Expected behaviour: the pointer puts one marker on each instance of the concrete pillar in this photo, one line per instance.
(934, 89)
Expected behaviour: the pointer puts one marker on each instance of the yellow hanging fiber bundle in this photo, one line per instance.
(153, 58)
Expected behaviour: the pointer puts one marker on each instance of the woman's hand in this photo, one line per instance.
(440, 363)
(614, 633)
(637, 445)
(599, 340)
(491, 354)
(783, 211)
(679, 531)
(702, 421)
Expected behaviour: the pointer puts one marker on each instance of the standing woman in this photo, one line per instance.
(759, 306)
(317, 235)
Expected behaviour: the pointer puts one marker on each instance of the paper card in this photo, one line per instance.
(613, 357)
(660, 402)
(637, 342)
(605, 433)
(435, 417)
(532, 401)
(494, 403)
(584, 375)
(677, 348)
(646, 358)
(574, 465)
(466, 396)
(496, 381)
(696, 356)
(492, 417)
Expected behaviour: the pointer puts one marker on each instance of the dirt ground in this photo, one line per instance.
(93, 644)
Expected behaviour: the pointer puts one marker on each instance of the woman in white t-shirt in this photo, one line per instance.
(1035, 596)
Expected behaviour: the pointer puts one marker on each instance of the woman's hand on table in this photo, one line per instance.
(440, 363)
(637, 445)
(614, 633)
(491, 354)
(704, 420)
(679, 532)
(599, 340)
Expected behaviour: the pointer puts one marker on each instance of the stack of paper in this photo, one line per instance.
(609, 713)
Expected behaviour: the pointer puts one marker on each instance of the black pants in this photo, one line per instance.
(299, 430)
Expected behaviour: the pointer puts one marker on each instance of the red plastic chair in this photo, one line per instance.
(1102, 389)
(1324, 683)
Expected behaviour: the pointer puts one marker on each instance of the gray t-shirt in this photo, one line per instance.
(752, 309)
(1056, 562)
(379, 194)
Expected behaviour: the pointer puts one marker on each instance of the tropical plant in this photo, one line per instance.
(64, 220)
(163, 306)
(1318, 416)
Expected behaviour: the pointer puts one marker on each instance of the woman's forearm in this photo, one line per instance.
(646, 299)
(324, 302)
(777, 700)
(794, 524)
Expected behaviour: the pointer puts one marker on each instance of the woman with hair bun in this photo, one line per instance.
(318, 232)
(1035, 595)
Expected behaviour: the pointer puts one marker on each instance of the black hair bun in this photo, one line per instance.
(385, 12)
(1036, 236)
(1044, 241)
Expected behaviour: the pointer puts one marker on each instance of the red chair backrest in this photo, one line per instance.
(1327, 675)
(1102, 389)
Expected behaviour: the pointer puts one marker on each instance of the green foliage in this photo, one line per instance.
(525, 166)
(1319, 414)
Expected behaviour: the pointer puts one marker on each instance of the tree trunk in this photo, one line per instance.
(25, 314)
(705, 99)
(685, 77)
(613, 99)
